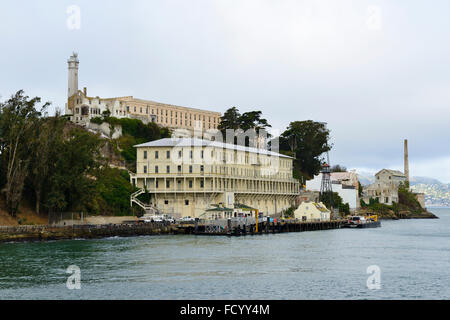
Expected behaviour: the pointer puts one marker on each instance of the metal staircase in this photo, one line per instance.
(149, 209)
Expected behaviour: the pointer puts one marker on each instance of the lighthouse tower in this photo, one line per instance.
(73, 74)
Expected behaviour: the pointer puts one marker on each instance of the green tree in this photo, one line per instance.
(308, 140)
(47, 138)
(18, 120)
(338, 168)
(73, 182)
(231, 119)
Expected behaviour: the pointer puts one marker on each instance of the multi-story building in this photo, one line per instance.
(185, 176)
(81, 108)
(385, 187)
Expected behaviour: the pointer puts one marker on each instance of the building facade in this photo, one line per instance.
(186, 176)
(385, 187)
(344, 183)
(312, 211)
(81, 108)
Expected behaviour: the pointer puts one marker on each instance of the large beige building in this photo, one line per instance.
(81, 108)
(385, 187)
(186, 176)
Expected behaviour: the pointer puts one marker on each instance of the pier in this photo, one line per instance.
(238, 227)
(248, 226)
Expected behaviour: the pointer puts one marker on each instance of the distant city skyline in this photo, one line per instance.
(376, 71)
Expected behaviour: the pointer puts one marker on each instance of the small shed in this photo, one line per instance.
(312, 211)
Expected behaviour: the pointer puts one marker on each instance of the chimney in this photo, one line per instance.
(406, 164)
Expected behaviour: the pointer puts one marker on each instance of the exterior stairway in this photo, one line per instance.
(149, 209)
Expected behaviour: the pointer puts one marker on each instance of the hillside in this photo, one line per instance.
(26, 215)
(436, 192)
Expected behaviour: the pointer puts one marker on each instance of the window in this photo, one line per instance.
(179, 169)
(145, 169)
(190, 183)
(202, 168)
(156, 154)
(202, 153)
(145, 154)
(168, 169)
(166, 201)
(190, 154)
(156, 184)
(167, 183)
(168, 154)
(156, 169)
(201, 183)
(190, 169)
(179, 154)
(186, 202)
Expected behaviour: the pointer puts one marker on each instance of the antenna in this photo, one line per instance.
(326, 189)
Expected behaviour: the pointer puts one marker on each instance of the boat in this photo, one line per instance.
(362, 222)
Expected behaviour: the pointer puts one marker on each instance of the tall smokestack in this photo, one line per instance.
(406, 165)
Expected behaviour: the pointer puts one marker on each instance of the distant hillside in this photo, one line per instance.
(436, 192)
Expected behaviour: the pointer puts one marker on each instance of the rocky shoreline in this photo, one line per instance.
(391, 215)
(46, 233)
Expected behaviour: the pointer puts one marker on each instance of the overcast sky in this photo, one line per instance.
(376, 71)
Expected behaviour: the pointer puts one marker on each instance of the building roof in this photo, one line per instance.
(392, 172)
(219, 209)
(195, 142)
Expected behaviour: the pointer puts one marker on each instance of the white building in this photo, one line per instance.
(186, 176)
(344, 183)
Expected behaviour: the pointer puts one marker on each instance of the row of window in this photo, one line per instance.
(222, 156)
(202, 169)
(161, 112)
(186, 202)
(190, 182)
(221, 170)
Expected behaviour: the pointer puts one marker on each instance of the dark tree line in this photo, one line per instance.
(52, 163)
(306, 141)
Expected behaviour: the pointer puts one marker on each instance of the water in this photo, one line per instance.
(413, 256)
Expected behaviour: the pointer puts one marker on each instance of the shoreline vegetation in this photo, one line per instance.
(407, 208)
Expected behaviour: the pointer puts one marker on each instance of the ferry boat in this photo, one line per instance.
(362, 222)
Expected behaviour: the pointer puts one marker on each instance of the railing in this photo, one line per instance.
(147, 207)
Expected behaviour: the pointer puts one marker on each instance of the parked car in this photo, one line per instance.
(187, 219)
(151, 218)
(168, 218)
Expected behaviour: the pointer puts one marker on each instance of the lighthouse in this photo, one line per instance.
(73, 63)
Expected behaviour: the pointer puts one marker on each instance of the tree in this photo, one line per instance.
(308, 140)
(72, 184)
(18, 120)
(47, 137)
(338, 168)
(249, 123)
(230, 120)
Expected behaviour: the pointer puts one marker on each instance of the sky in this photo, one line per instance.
(376, 71)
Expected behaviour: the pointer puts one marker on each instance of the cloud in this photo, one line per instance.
(292, 59)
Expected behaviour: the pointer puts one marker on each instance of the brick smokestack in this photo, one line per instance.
(406, 164)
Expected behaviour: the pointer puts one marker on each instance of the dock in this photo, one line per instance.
(230, 227)
(248, 226)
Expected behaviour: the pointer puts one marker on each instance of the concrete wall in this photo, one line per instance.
(347, 194)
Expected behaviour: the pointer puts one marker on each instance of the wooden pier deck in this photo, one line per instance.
(232, 228)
